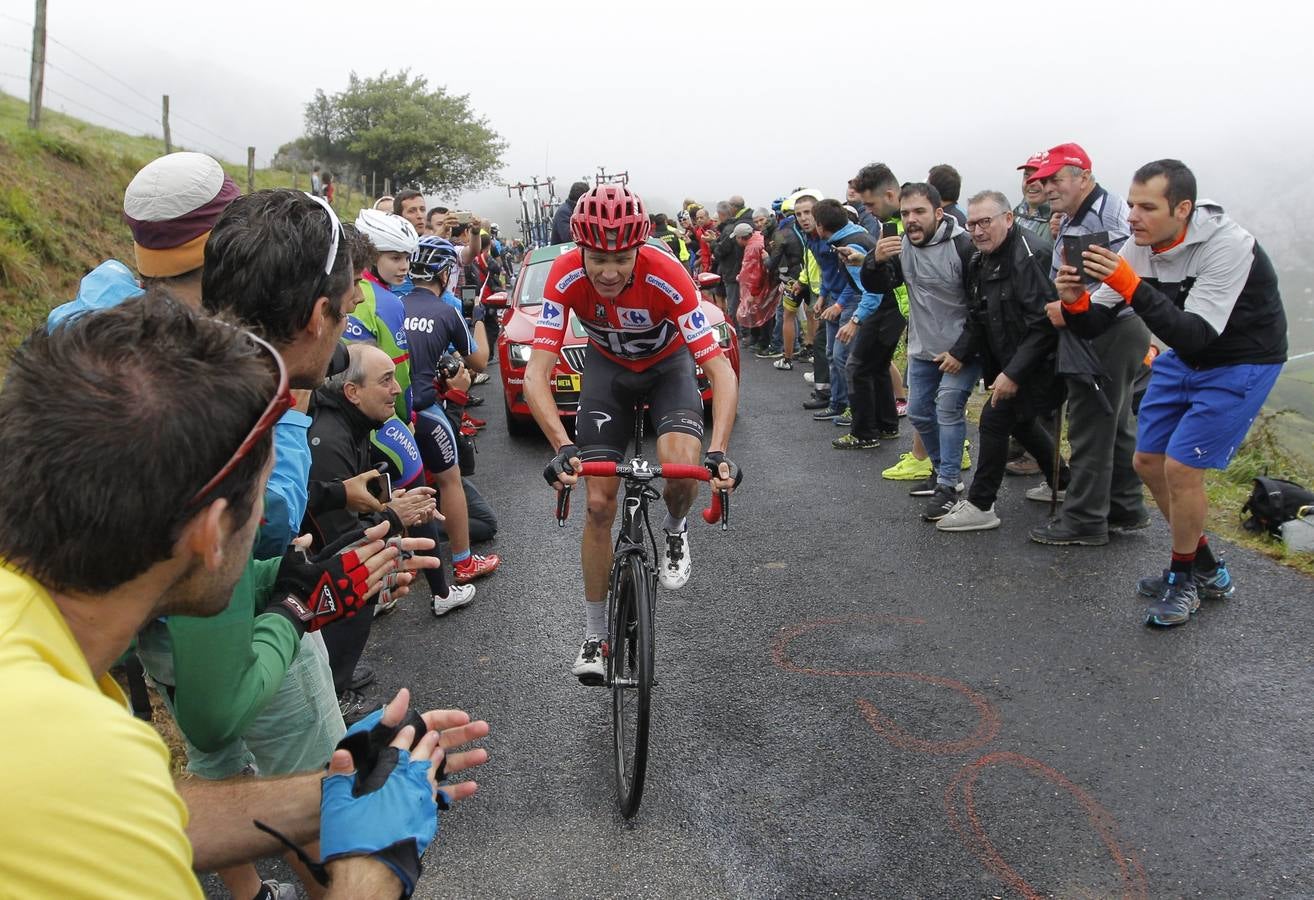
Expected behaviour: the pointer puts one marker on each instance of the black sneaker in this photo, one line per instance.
(353, 706)
(892, 435)
(925, 488)
(825, 415)
(363, 676)
(817, 401)
(942, 501)
(1058, 534)
(1128, 524)
(853, 442)
(1179, 601)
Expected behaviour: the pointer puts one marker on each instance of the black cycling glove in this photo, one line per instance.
(713, 461)
(312, 591)
(559, 464)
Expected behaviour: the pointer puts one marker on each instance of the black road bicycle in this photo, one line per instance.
(633, 588)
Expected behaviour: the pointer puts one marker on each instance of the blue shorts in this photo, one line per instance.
(1199, 417)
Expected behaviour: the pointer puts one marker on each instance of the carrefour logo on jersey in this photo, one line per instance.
(694, 325)
(664, 287)
(551, 314)
(634, 318)
(569, 278)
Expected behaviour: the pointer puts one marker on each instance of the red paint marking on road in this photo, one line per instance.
(973, 833)
(987, 725)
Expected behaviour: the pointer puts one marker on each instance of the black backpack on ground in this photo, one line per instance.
(1272, 502)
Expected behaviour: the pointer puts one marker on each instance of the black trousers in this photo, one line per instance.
(871, 392)
(1018, 417)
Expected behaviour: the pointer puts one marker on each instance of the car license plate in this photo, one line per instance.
(568, 383)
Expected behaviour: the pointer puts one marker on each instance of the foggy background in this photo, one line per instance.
(709, 99)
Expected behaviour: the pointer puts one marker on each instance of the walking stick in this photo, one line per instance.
(1058, 459)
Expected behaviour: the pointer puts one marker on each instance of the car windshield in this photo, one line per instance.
(531, 282)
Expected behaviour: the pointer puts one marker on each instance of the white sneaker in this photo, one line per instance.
(965, 516)
(590, 665)
(675, 560)
(457, 595)
(810, 377)
(1043, 493)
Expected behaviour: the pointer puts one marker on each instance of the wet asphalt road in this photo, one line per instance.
(852, 704)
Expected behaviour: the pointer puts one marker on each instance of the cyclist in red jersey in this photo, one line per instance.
(646, 329)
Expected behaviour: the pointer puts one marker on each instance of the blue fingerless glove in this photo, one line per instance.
(389, 813)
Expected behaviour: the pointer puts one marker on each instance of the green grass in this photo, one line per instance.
(61, 208)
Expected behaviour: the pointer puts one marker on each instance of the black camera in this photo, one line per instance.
(448, 367)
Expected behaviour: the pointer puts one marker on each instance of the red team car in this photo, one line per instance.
(516, 339)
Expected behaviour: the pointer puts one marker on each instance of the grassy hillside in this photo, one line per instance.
(61, 208)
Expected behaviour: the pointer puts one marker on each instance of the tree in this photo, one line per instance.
(397, 126)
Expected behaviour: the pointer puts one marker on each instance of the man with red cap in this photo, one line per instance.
(1105, 493)
(1033, 213)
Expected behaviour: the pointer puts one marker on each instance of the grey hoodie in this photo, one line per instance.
(937, 295)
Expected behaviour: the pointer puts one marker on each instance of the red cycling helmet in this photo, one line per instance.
(610, 218)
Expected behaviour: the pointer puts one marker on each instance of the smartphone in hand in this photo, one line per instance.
(889, 229)
(1076, 244)
(381, 488)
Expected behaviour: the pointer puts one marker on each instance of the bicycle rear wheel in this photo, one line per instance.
(629, 667)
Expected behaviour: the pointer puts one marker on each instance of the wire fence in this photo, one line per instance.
(133, 110)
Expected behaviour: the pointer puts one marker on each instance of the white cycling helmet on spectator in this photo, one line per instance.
(388, 232)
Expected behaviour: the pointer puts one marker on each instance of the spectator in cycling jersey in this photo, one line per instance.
(186, 489)
(435, 329)
(641, 312)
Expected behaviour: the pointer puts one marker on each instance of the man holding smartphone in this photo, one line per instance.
(1208, 290)
(1104, 493)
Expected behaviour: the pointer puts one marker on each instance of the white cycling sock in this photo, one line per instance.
(674, 525)
(596, 619)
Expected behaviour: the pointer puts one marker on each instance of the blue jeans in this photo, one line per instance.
(937, 403)
(838, 354)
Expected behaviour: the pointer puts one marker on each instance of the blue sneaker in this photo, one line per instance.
(1178, 602)
(1215, 585)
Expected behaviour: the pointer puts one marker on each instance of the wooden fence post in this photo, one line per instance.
(250, 170)
(168, 138)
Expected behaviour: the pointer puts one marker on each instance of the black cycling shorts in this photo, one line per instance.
(608, 392)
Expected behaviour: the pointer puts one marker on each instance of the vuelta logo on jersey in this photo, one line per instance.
(552, 315)
(695, 325)
(569, 278)
(634, 318)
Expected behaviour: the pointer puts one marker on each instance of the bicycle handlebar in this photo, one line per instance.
(719, 509)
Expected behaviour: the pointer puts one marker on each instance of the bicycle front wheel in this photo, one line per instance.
(630, 676)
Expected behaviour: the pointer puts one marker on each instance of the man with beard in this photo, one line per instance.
(1008, 287)
(931, 259)
(89, 423)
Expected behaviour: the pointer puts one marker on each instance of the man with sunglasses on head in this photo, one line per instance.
(248, 696)
(106, 389)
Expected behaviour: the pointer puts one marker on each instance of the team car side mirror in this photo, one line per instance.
(496, 301)
(708, 280)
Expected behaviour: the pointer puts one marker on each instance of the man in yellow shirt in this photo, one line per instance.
(115, 510)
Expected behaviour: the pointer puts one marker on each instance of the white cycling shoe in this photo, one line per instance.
(457, 595)
(674, 570)
(591, 664)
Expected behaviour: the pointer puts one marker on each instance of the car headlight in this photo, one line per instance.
(722, 334)
(519, 355)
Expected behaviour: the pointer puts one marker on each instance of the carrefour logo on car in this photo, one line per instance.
(570, 278)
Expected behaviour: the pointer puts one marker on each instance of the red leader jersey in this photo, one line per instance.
(656, 314)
